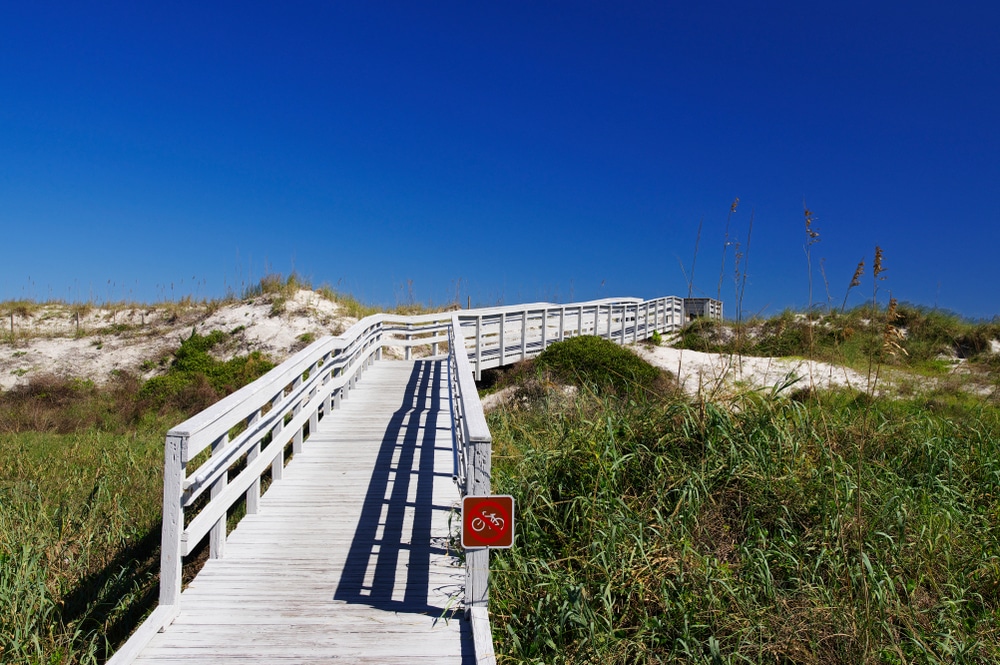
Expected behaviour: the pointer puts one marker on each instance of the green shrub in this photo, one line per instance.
(196, 380)
(703, 335)
(597, 362)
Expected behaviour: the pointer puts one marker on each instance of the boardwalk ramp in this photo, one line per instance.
(326, 494)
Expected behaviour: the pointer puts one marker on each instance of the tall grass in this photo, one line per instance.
(79, 516)
(668, 530)
(80, 500)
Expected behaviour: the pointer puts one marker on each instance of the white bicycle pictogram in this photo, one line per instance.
(478, 523)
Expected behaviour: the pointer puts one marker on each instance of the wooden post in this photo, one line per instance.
(503, 347)
(278, 464)
(477, 561)
(314, 416)
(217, 536)
(173, 520)
(524, 334)
(253, 492)
(297, 437)
(545, 325)
(479, 348)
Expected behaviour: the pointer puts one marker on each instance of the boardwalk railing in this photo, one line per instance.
(217, 459)
(503, 335)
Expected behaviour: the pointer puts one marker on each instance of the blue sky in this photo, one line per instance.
(503, 152)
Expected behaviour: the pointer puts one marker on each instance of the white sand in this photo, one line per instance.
(715, 375)
(48, 342)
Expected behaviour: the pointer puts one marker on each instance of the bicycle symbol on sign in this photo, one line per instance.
(478, 523)
(488, 521)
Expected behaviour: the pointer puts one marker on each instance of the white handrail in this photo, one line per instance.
(284, 406)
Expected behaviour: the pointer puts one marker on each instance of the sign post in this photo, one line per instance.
(488, 521)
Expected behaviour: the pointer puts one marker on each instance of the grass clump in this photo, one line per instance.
(351, 306)
(837, 528)
(60, 405)
(600, 364)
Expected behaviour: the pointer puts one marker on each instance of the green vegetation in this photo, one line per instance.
(80, 500)
(601, 365)
(829, 528)
(853, 337)
(196, 380)
(79, 529)
(810, 527)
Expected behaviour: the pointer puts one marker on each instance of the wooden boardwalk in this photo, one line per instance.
(349, 559)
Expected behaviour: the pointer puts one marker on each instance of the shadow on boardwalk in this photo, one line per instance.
(389, 561)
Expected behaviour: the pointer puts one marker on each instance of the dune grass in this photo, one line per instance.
(853, 337)
(832, 528)
(79, 523)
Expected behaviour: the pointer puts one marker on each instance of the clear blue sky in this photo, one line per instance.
(508, 151)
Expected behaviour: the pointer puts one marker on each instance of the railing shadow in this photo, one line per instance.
(95, 602)
(389, 550)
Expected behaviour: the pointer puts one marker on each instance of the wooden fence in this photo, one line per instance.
(217, 458)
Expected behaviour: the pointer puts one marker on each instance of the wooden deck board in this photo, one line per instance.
(349, 559)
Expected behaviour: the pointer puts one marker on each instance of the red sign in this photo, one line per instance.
(487, 521)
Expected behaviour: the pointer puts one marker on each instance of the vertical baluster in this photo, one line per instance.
(297, 437)
(545, 325)
(503, 345)
(253, 492)
(479, 348)
(524, 334)
(278, 464)
(314, 416)
(217, 536)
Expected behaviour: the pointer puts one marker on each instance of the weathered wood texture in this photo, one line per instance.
(349, 557)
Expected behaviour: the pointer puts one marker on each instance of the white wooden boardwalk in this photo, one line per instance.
(349, 558)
